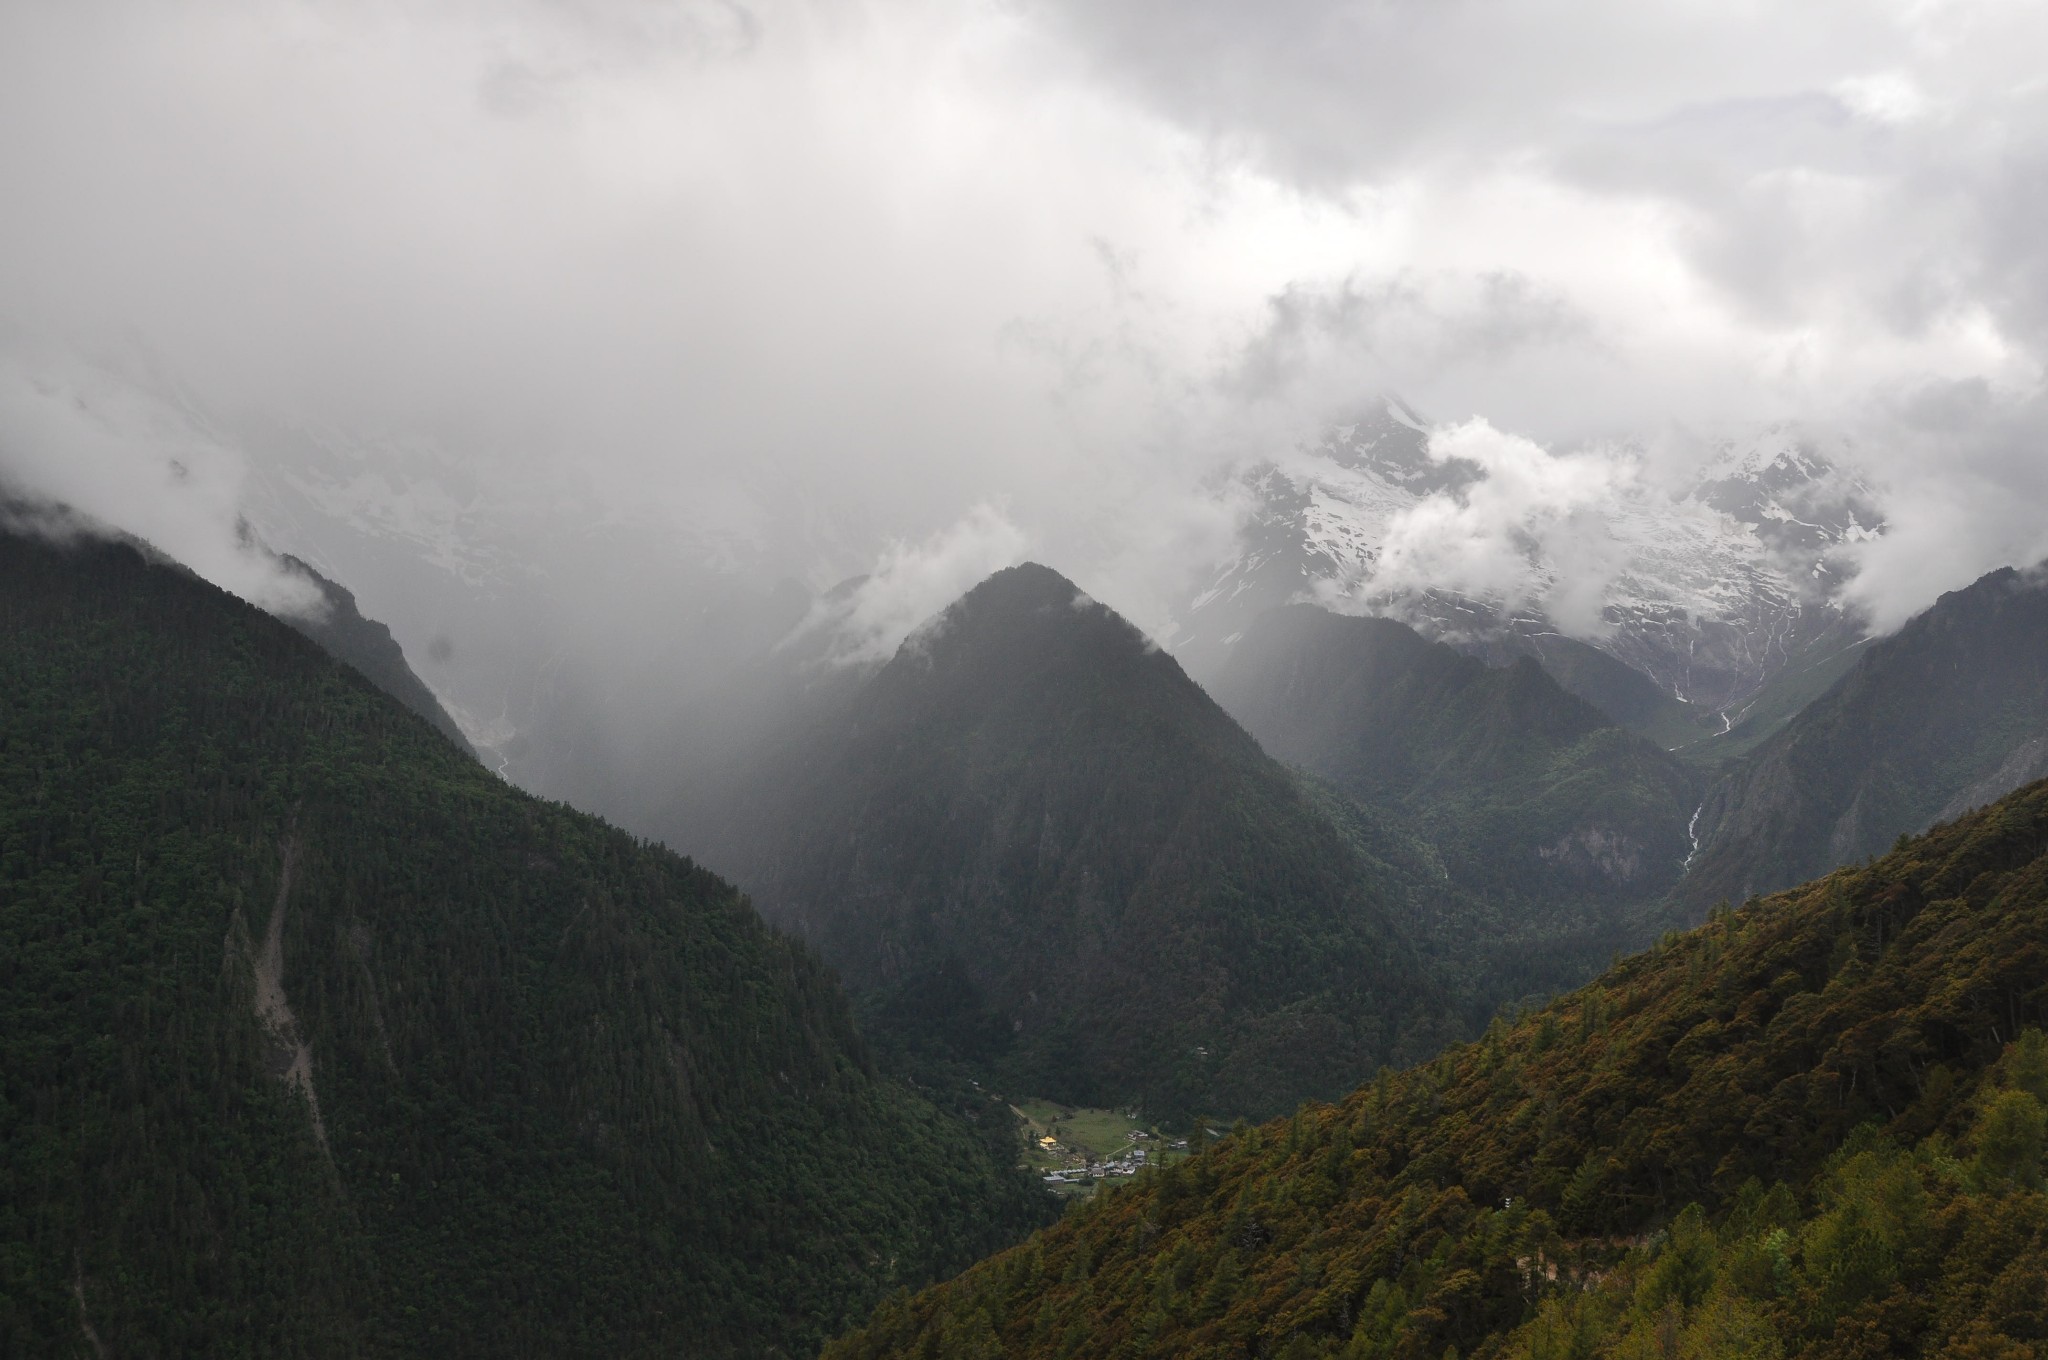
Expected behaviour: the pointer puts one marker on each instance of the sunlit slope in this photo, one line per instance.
(316, 1038)
(1844, 1079)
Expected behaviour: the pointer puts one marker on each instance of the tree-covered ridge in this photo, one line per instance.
(1812, 1126)
(1031, 836)
(572, 1096)
(343, 632)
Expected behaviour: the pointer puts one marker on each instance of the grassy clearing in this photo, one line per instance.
(1083, 1135)
(1097, 1133)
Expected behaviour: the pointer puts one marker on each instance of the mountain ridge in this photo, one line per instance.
(1940, 716)
(1032, 802)
(1529, 793)
(343, 632)
(1724, 581)
(573, 1096)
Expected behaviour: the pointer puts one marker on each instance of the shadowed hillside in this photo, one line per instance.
(1032, 840)
(1526, 791)
(1947, 714)
(316, 1038)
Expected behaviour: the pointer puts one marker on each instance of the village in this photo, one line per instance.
(1075, 1149)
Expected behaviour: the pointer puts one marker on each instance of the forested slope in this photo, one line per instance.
(1526, 791)
(317, 1039)
(1033, 841)
(1945, 715)
(1812, 1126)
(343, 632)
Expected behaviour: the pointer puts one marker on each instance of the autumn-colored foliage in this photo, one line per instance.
(1812, 1126)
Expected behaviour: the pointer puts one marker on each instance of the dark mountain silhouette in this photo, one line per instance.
(1526, 791)
(1947, 714)
(1032, 840)
(343, 632)
(317, 1038)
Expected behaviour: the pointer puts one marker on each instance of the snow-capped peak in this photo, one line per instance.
(1707, 588)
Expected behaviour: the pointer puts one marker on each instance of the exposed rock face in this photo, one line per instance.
(2028, 762)
(344, 634)
(292, 1057)
(1597, 850)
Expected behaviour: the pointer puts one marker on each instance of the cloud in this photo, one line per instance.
(1531, 529)
(85, 444)
(1322, 345)
(910, 586)
(776, 286)
(1751, 214)
(1969, 470)
(871, 260)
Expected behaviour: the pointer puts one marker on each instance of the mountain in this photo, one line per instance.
(1812, 1127)
(318, 1038)
(1526, 791)
(1721, 585)
(1806, 674)
(1621, 693)
(1947, 714)
(1031, 841)
(343, 633)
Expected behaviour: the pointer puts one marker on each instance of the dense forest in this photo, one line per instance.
(1814, 1126)
(317, 1039)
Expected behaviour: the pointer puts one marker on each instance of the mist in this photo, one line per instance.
(580, 339)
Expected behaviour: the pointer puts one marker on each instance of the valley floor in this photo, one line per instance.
(1076, 1149)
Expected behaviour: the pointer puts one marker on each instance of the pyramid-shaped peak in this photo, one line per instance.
(1027, 600)
(1028, 584)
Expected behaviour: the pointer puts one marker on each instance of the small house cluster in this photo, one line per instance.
(1130, 1164)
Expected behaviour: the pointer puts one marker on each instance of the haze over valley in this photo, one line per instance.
(1011, 679)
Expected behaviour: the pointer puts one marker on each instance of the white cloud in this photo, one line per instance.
(131, 462)
(1532, 529)
(875, 260)
(911, 584)
(1889, 97)
(1968, 470)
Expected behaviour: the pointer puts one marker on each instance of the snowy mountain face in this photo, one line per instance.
(1710, 589)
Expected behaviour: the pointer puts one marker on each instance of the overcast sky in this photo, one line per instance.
(1007, 278)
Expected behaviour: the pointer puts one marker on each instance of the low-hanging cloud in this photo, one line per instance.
(798, 281)
(104, 456)
(1530, 529)
(792, 260)
(867, 620)
(1969, 472)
